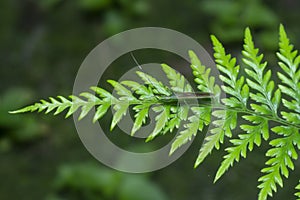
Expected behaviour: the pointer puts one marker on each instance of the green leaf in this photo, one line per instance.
(223, 126)
(254, 97)
(230, 70)
(187, 134)
(281, 153)
(293, 118)
(289, 63)
(245, 142)
(101, 110)
(179, 114)
(102, 93)
(176, 80)
(141, 90)
(161, 121)
(211, 142)
(122, 91)
(65, 103)
(202, 76)
(121, 110)
(157, 86)
(140, 117)
(86, 107)
(76, 103)
(297, 194)
(260, 80)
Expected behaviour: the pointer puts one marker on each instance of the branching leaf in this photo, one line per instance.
(140, 117)
(253, 97)
(186, 135)
(161, 120)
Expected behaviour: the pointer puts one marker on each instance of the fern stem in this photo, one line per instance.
(251, 112)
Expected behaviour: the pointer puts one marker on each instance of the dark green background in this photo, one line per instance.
(42, 44)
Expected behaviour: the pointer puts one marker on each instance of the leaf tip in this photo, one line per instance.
(247, 30)
(22, 110)
(149, 138)
(196, 164)
(214, 39)
(217, 177)
(281, 27)
(112, 82)
(112, 126)
(164, 65)
(172, 150)
(248, 35)
(191, 53)
(13, 112)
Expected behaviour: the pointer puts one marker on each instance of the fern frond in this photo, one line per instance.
(178, 115)
(206, 83)
(259, 80)
(178, 84)
(281, 153)
(235, 86)
(122, 104)
(253, 97)
(161, 120)
(283, 148)
(157, 86)
(140, 116)
(141, 90)
(190, 131)
(61, 104)
(176, 80)
(244, 143)
(104, 104)
(289, 63)
(201, 115)
(238, 92)
(297, 194)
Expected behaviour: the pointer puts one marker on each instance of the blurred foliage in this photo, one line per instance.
(89, 181)
(94, 5)
(17, 129)
(42, 44)
(231, 17)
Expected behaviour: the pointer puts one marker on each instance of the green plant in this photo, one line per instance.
(100, 183)
(228, 18)
(17, 129)
(252, 98)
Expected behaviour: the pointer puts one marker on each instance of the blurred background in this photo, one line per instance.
(42, 44)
